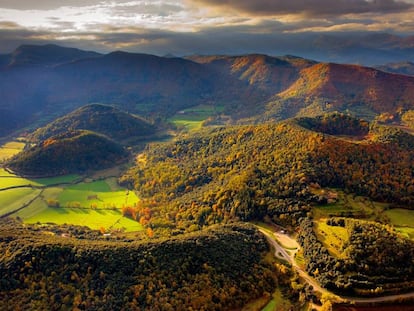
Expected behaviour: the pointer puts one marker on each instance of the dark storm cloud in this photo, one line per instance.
(310, 7)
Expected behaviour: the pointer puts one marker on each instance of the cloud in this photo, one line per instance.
(310, 7)
(45, 4)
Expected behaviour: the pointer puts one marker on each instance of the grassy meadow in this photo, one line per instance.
(10, 149)
(402, 220)
(14, 199)
(94, 219)
(97, 194)
(86, 202)
(192, 118)
(333, 237)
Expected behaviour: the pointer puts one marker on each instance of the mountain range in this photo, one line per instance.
(41, 83)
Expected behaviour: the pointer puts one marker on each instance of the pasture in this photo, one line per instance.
(94, 219)
(10, 149)
(402, 220)
(100, 201)
(192, 118)
(13, 199)
(350, 205)
(332, 237)
(97, 194)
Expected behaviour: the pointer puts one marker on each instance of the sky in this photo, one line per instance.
(183, 27)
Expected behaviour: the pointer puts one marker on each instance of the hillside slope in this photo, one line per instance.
(103, 119)
(365, 92)
(222, 268)
(70, 152)
(250, 172)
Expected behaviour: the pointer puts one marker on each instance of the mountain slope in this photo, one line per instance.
(103, 119)
(249, 87)
(45, 55)
(269, 74)
(70, 152)
(252, 171)
(365, 92)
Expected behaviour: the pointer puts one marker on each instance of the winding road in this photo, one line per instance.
(276, 239)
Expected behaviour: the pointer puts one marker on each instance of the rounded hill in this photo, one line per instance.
(71, 152)
(103, 119)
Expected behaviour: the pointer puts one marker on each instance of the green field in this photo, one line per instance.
(95, 197)
(332, 237)
(32, 210)
(278, 303)
(193, 118)
(98, 194)
(4, 173)
(15, 198)
(94, 219)
(349, 205)
(402, 220)
(67, 179)
(7, 182)
(10, 149)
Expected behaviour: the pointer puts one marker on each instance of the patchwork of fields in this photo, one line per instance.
(348, 205)
(67, 199)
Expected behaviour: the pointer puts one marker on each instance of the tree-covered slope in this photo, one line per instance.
(222, 268)
(373, 260)
(325, 87)
(70, 152)
(249, 172)
(103, 119)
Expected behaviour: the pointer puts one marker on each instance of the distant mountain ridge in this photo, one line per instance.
(405, 68)
(47, 55)
(48, 81)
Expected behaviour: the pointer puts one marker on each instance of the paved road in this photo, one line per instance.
(282, 253)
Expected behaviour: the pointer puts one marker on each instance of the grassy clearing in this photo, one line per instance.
(98, 194)
(10, 149)
(349, 205)
(401, 217)
(15, 198)
(94, 219)
(67, 179)
(7, 182)
(333, 237)
(10, 180)
(300, 260)
(278, 303)
(32, 210)
(192, 118)
(402, 220)
(4, 173)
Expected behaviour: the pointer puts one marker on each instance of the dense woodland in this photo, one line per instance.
(221, 268)
(375, 259)
(103, 119)
(71, 152)
(249, 172)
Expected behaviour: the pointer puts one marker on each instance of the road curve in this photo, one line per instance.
(281, 253)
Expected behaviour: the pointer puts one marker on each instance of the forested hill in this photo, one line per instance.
(248, 172)
(71, 152)
(103, 119)
(249, 87)
(222, 268)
